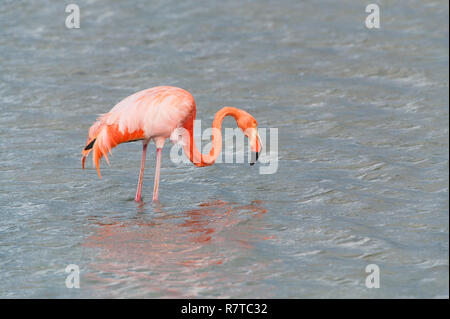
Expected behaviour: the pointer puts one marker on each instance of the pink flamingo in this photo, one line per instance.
(155, 114)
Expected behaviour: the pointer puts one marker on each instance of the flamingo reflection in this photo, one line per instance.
(171, 254)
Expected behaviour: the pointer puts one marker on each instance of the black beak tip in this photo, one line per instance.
(256, 158)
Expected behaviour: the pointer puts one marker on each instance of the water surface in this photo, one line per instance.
(362, 178)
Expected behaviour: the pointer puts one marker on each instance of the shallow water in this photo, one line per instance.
(362, 177)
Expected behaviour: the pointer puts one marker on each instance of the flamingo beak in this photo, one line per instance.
(255, 145)
(255, 156)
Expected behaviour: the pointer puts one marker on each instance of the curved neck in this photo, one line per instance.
(190, 148)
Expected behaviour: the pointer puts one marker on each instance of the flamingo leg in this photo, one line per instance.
(158, 167)
(141, 174)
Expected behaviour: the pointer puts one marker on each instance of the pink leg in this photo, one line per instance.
(141, 174)
(158, 167)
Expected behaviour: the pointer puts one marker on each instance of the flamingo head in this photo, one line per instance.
(249, 126)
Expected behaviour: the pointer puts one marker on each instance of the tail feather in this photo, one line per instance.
(102, 138)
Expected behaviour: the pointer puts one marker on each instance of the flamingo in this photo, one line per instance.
(157, 114)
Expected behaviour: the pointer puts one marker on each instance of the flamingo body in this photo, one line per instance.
(157, 111)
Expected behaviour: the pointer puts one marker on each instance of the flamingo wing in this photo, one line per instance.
(147, 114)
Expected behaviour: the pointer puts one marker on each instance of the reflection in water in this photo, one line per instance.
(170, 254)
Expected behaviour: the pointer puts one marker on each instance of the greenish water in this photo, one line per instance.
(362, 177)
